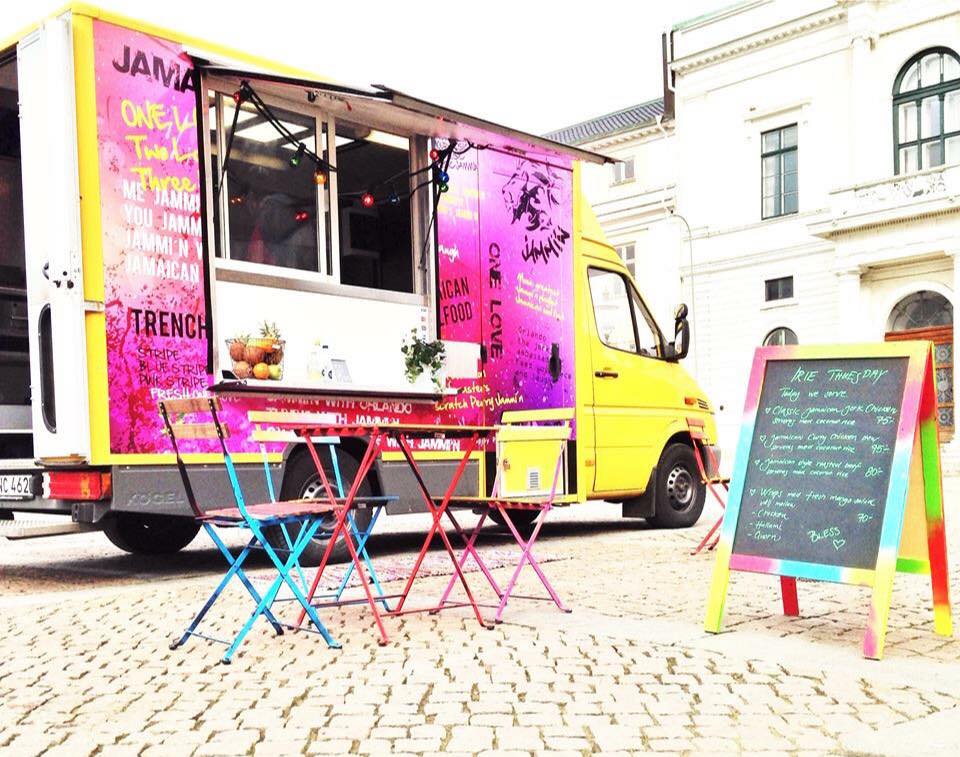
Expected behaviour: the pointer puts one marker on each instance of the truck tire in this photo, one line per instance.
(144, 534)
(301, 480)
(522, 519)
(680, 492)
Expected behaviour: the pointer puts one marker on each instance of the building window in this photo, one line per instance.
(622, 171)
(778, 289)
(778, 158)
(929, 315)
(780, 337)
(628, 254)
(926, 111)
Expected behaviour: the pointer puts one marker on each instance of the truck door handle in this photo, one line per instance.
(606, 373)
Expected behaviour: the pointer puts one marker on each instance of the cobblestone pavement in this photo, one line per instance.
(85, 667)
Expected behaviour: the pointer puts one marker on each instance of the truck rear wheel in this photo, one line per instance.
(150, 534)
(680, 492)
(301, 481)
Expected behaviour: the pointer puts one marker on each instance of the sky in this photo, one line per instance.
(529, 64)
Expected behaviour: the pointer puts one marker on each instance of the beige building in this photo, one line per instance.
(815, 154)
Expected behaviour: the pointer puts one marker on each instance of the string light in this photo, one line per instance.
(298, 155)
(439, 156)
(301, 216)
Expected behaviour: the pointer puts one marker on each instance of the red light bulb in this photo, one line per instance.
(366, 200)
(434, 154)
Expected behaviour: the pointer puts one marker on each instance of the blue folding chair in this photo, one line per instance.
(261, 433)
(307, 514)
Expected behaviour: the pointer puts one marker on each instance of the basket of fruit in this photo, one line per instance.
(259, 357)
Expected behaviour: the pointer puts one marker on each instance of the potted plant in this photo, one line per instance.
(420, 355)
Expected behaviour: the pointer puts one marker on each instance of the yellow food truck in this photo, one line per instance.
(175, 214)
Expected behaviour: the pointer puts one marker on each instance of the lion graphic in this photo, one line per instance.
(532, 196)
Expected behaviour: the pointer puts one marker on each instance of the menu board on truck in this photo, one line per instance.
(505, 276)
(156, 327)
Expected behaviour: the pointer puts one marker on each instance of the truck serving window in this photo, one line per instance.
(269, 210)
(353, 227)
(372, 188)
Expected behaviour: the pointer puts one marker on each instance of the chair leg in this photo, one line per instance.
(470, 549)
(289, 542)
(361, 539)
(283, 568)
(236, 569)
(526, 556)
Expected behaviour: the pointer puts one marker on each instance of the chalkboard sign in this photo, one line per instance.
(819, 465)
(835, 441)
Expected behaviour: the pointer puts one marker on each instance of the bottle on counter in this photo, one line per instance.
(319, 366)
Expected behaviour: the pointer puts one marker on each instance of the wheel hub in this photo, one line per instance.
(315, 490)
(680, 488)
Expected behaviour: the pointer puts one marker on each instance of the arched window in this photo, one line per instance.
(929, 315)
(926, 111)
(780, 336)
(920, 310)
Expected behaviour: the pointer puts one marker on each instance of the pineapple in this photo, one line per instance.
(271, 334)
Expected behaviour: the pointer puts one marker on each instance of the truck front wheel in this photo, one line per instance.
(680, 491)
(150, 534)
(301, 481)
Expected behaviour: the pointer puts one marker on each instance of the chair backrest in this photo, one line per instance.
(272, 426)
(192, 418)
(531, 451)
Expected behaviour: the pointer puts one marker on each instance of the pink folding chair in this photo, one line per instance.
(528, 456)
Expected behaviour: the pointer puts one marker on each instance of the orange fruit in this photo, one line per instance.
(261, 371)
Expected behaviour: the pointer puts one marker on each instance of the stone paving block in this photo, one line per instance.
(470, 738)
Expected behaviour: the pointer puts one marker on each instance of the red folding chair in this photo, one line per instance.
(526, 455)
(712, 480)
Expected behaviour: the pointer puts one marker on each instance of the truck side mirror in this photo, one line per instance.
(678, 349)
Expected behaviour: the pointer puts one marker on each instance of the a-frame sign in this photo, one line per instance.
(837, 477)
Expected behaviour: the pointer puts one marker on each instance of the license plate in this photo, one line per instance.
(13, 486)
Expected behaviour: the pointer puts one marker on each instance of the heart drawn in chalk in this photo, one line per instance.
(752, 492)
(763, 438)
(837, 543)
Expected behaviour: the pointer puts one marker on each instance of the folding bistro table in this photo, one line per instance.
(378, 435)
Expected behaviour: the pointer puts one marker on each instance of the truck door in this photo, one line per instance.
(631, 384)
(51, 203)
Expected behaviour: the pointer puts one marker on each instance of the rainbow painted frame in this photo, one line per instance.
(912, 536)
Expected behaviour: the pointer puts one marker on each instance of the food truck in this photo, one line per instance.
(175, 214)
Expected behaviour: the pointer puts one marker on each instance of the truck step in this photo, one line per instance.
(35, 529)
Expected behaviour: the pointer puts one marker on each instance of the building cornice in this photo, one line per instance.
(750, 42)
(664, 129)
